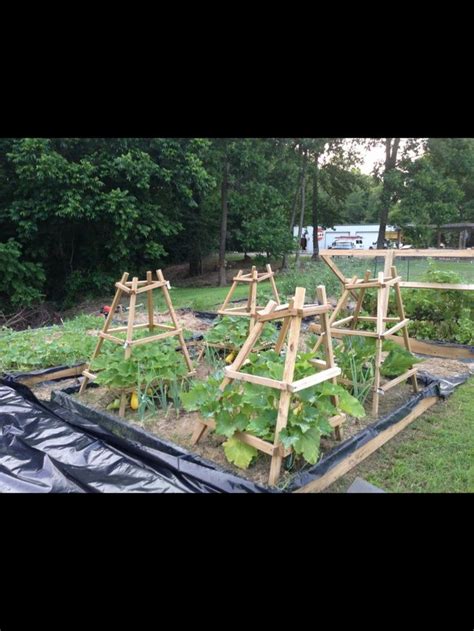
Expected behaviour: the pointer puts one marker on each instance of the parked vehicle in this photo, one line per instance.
(343, 245)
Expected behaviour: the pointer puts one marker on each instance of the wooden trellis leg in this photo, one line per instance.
(288, 373)
(359, 301)
(334, 268)
(252, 301)
(231, 290)
(172, 313)
(339, 307)
(128, 347)
(379, 342)
(273, 283)
(108, 322)
(401, 313)
(386, 272)
(284, 330)
(329, 352)
(244, 352)
(149, 297)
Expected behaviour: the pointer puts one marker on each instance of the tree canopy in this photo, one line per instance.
(75, 212)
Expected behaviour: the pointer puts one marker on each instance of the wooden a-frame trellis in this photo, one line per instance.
(357, 287)
(133, 289)
(253, 278)
(292, 315)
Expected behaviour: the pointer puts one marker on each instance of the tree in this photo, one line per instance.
(395, 162)
(84, 208)
(331, 162)
(389, 186)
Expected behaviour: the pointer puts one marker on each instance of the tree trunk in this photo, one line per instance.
(315, 208)
(223, 236)
(303, 203)
(386, 197)
(194, 235)
(284, 263)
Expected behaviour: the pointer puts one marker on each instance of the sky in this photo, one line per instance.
(376, 154)
(370, 158)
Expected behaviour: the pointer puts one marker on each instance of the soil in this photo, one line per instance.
(439, 367)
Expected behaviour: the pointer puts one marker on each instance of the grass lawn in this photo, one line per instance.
(199, 298)
(435, 454)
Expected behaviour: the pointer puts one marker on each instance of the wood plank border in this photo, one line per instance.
(366, 450)
(75, 371)
(417, 346)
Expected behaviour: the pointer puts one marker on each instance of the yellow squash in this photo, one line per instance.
(134, 401)
(230, 358)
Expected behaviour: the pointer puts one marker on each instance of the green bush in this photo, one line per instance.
(445, 315)
(22, 281)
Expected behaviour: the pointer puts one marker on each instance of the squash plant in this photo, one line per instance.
(45, 347)
(252, 408)
(148, 363)
(233, 331)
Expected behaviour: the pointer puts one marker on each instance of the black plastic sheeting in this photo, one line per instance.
(46, 448)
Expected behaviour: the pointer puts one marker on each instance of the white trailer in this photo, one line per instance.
(327, 236)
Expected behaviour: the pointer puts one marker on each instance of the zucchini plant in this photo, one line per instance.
(252, 408)
(233, 331)
(148, 363)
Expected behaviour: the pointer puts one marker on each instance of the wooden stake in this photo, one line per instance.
(288, 373)
(401, 313)
(359, 301)
(149, 297)
(273, 283)
(131, 317)
(283, 331)
(330, 263)
(339, 307)
(252, 301)
(231, 290)
(328, 348)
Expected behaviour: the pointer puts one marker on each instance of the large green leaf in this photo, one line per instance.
(239, 453)
(349, 404)
(227, 423)
(307, 445)
(398, 361)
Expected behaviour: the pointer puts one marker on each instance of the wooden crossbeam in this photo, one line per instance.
(406, 375)
(262, 381)
(397, 327)
(412, 253)
(309, 382)
(155, 338)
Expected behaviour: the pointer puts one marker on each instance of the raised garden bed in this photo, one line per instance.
(361, 436)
